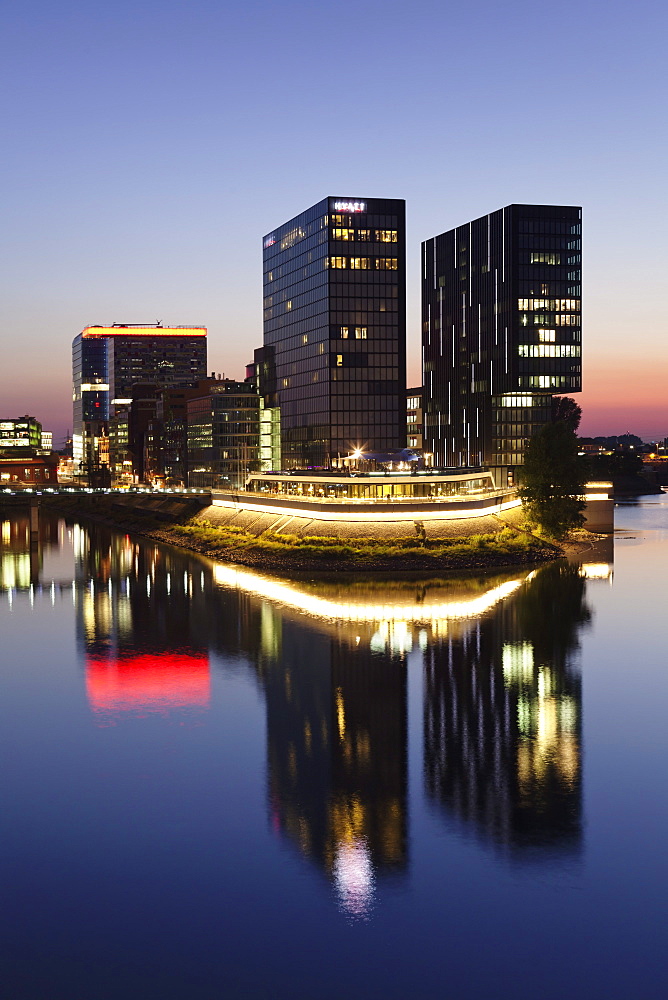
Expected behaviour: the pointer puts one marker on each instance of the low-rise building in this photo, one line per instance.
(24, 469)
(20, 432)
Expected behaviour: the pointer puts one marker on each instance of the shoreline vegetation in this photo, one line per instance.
(186, 526)
(280, 552)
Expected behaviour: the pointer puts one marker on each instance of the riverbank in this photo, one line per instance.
(467, 544)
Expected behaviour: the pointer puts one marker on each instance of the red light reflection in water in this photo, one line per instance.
(147, 682)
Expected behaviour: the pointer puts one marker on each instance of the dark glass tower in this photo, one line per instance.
(501, 331)
(335, 329)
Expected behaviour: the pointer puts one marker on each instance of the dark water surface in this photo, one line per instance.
(218, 784)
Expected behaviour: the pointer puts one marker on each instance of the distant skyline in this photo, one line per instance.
(149, 148)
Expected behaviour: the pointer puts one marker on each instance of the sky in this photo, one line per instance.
(149, 146)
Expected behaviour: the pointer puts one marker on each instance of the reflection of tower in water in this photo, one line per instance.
(336, 735)
(133, 614)
(502, 716)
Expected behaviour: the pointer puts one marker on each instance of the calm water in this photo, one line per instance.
(218, 784)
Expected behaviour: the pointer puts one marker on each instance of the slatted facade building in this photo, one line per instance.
(501, 332)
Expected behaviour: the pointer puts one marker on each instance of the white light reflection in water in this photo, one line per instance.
(354, 877)
(293, 597)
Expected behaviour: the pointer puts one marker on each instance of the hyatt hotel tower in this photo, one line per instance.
(334, 354)
(501, 332)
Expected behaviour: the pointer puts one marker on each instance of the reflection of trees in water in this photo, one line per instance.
(551, 611)
(502, 716)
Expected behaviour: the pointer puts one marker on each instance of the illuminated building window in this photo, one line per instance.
(516, 401)
(305, 338)
(567, 320)
(548, 351)
(547, 336)
(553, 305)
(339, 360)
(288, 305)
(359, 263)
(360, 333)
(386, 235)
(386, 264)
(343, 234)
(338, 263)
(344, 332)
(363, 235)
(545, 258)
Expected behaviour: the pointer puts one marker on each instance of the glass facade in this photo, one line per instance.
(367, 486)
(335, 330)
(501, 331)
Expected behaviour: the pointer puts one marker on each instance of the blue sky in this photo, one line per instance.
(149, 147)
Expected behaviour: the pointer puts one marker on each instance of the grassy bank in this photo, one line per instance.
(177, 524)
(282, 551)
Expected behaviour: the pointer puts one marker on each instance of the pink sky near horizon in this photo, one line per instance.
(618, 397)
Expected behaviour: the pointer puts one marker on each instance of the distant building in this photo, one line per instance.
(501, 332)
(335, 330)
(223, 434)
(166, 435)
(46, 441)
(21, 468)
(414, 418)
(20, 432)
(107, 361)
(260, 374)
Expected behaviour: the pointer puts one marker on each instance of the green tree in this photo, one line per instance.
(553, 480)
(566, 409)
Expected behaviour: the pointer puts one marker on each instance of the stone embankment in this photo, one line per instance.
(288, 544)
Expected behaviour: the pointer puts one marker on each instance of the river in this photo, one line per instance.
(219, 784)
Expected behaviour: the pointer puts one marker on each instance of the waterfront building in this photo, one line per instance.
(107, 361)
(166, 436)
(335, 330)
(20, 432)
(501, 332)
(23, 467)
(223, 434)
(414, 419)
(260, 374)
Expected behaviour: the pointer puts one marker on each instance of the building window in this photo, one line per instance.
(339, 360)
(547, 336)
(386, 235)
(548, 351)
(305, 338)
(386, 264)
(343, 234)
(545, 258)
(359, 263)
(344, 332)
(360, 333)
(338, 263)
(363, 235)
